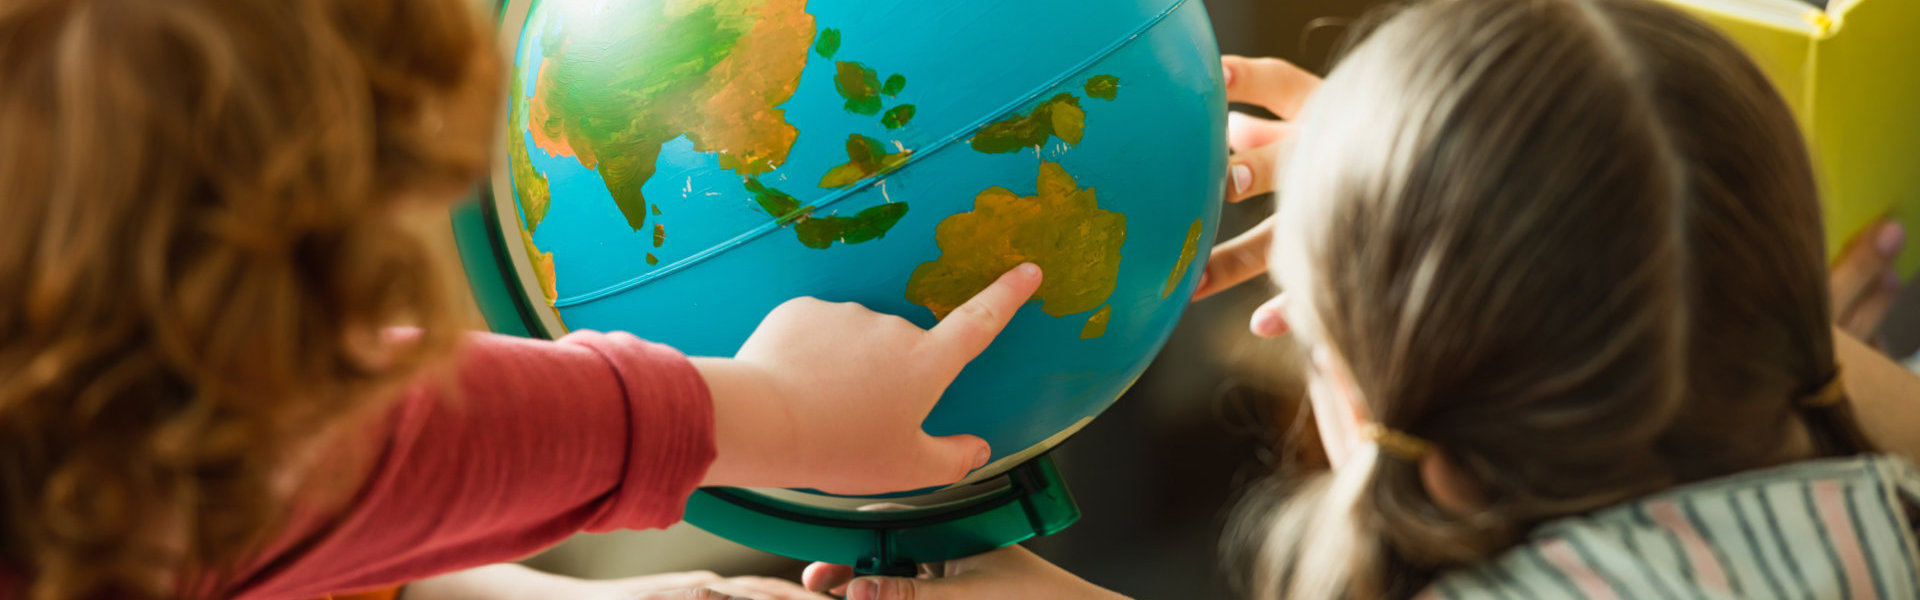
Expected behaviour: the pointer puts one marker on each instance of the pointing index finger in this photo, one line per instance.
(968, 330)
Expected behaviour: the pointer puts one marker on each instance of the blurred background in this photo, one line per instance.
(1158, 476)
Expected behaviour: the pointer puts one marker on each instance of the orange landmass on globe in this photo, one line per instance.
(1061, 228)
(542, 263)
(530, 191)
(741, 121)
(1097, 324)
(1186, 259)
(545, 136)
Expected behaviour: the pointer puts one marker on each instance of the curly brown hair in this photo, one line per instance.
(202, 245)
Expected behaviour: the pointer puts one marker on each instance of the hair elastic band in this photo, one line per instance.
(1397, 444)
(1831, 393)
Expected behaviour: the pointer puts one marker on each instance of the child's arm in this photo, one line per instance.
(1885, 397)
(600, 432)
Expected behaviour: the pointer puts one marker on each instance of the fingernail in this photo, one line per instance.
(1242, 179)
(980, 460)
(1892, 237)
(1204, 278)
(1265, 323)
(1227, 74)
(1027, 269)
(864, 589)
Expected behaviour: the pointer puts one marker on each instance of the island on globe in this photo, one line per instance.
(677, 168)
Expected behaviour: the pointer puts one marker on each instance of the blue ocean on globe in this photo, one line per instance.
(680, 168)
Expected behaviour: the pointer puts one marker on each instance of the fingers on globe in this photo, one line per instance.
(1269, 83)
(1254, 171)
(1864, 319)
(1859, 277)
(1246, 132)
(968, 331)
(1238, 260)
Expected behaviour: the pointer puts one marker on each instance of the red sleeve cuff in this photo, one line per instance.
(669, 428)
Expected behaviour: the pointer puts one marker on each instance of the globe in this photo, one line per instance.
(678, 168)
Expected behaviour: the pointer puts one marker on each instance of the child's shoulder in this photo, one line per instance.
(1837, 528)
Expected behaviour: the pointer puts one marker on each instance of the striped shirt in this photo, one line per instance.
(1826, 529)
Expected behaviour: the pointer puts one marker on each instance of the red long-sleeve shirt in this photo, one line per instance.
(596, 432)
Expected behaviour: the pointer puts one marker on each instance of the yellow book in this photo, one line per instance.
(1851, 71)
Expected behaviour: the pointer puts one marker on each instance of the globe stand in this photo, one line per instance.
(1029, 500)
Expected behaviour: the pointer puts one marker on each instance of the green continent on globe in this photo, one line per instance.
(1104, 87)
(860, 86)
(782, 207)
(829, 42)
(1058, 117)
(646, 73)
(873, 223)
(899, 117)
(1061, 228)
(821, 232)
(866, 157)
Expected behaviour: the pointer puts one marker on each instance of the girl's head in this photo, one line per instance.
(1572, 244)
(203, 240)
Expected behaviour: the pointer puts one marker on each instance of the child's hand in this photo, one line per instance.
(735, 588)
(1010, 573)
(831, 396)
(1259, 146)
(515, 582)
(1864, 282)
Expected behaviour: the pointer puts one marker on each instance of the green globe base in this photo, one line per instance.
(1030, 500)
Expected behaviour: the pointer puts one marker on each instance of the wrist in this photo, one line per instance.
(752, 425)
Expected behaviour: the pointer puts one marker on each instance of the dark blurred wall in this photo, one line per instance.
(1158, 475)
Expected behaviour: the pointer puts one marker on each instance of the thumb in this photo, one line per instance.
(967, 331)
(952, 457)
